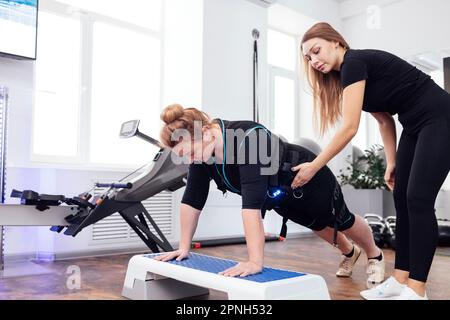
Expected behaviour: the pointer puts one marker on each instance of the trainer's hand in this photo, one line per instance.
(242, 269)
(178, 254)
(389, 177)
(306, 171)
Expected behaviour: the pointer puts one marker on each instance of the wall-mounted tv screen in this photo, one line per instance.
(18, 28)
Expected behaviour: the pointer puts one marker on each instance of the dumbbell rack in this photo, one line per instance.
(3, 140)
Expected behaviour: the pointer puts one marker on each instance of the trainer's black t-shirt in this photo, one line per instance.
(244, 174)
(392, 84)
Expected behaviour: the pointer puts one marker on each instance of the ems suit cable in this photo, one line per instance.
(3, 122)
(224, 175)
(255, 34)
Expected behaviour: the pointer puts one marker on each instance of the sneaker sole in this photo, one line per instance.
(387, 298)
(343, 276)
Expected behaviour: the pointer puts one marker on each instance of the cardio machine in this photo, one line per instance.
(167, 171)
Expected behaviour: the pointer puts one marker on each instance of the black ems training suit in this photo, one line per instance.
(312, 207)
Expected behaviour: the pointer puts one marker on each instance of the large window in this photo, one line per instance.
(125, 85)
(56, 113)
(282, 58)
(98, 65)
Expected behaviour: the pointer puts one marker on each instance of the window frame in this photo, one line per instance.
(87, 20)
(276, 71)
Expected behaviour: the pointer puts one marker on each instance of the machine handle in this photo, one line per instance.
(128, 185)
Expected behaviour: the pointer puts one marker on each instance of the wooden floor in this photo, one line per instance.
(102, 277)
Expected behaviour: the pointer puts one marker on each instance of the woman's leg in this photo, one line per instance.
(429, 169)
(350, 253)
(393, 287)
(326, 233)
(361, 233)
(404, 160)
(344, 244)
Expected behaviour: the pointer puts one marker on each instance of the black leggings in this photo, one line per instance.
(423, 162)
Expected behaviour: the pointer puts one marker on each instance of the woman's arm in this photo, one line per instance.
(254, 235)
(188, 224)
(389, 136)
(194, 198)
(255, 238)
(388, 133)
(352, 104)
(353, 97)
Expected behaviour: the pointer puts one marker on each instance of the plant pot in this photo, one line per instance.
(363, 201)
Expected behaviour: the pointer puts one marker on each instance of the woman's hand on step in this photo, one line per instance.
(179, 255)
(243, 269)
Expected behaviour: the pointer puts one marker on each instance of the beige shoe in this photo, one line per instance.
(375, 271)
(346, 265)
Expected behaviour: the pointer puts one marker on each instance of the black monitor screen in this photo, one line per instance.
(18, 27)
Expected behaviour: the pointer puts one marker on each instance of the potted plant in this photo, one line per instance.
(363, 183)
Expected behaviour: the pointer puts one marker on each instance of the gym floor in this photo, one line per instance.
(102, 277)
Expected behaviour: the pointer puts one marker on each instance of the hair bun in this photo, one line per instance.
(172, 113)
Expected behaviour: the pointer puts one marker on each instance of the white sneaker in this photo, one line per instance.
(391, 289)
(376, 271)
(346, 265)
(410, 294)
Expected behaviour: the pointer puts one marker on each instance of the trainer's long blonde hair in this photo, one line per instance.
(326, 88)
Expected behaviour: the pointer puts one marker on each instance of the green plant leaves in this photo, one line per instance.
(367, 171)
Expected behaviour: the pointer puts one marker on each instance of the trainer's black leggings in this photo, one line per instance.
(423, 162)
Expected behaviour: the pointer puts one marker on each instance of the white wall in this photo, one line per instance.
(407, 27)
(18, 76)
(183, 55)
(227, 57)
(288, 20)
(321, 10)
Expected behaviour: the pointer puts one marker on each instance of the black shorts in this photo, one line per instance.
(314, 209)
